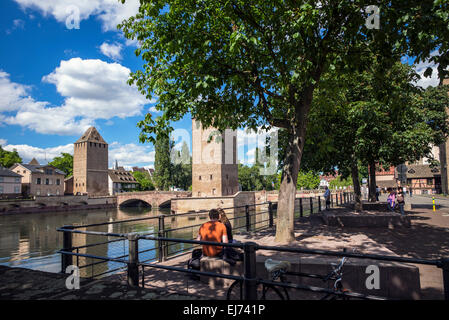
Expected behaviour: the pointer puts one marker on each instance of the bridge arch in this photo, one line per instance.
(165, 204)
(134, 203)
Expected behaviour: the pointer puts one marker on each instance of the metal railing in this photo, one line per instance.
(132, 263)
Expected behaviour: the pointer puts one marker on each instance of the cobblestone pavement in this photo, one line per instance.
(427, 238)
(25, 284)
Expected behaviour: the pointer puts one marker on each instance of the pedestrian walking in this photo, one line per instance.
(401, 201)
(377, 193)
(391, 200)
(327, 197)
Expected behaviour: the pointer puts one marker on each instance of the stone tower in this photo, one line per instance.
(90, 164)
(214, 162)
(444, 158)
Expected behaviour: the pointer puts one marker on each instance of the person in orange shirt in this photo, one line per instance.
(213, 231)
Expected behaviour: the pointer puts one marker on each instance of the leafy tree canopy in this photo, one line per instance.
(64, 163)
(9, 158)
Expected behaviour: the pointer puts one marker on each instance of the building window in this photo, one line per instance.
(48, 171)
(227, 177)
(17, 179)
(211, 177)
(90, 144)
(200, 178)
(58, 182)
(1, 189)
(1, 179)
(429, 182)
(214, 191)
(16, 189)
(38, 181)
(47, 181)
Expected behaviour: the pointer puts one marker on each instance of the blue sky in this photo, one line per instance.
(50, 75)
(55, 82)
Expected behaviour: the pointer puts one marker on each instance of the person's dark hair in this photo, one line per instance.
(214, 214)
(223, 218)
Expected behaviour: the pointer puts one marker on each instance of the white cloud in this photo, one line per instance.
(131, 154)
(112, 51)
(110, 12)
(43, 155)
(153, 109)
(127, 155)
(93, 89)
(11, 94)
(421, 68)
(3, 142)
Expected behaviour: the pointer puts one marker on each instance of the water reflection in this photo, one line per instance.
(31, 240)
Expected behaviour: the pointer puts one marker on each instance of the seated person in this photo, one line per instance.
(213, 231)
(224, 219)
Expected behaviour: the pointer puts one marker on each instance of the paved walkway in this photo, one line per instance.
(427, 238)
(26, 284)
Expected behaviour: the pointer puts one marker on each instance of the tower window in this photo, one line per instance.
(199, 178)
(214, 191)
(211, 177)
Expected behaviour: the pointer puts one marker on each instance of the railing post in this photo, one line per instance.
(301, 209)
(66, 259)
(445, 267)
(270, 214)
(319, 204)
(336, 199)
(332, 201)
(161, 242)
(341, 198)
(248, 221)
(311, 205)
(133, 260)
(249, 265)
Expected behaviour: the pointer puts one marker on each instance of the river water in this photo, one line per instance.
(31, 240)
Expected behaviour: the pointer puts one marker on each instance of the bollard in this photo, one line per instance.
(161, 242)
(319, 204)
(270, 214)
(311, 205)
(133, 260)
(248, 222)
(66, 259)
(301, 210)
(445, 266)
(433, 202)
(249, 267)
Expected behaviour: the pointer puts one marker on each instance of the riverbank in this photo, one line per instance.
(25, 284)
(56, 204)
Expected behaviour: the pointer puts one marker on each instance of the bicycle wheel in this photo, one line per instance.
(269, 292)
(235, 291)
(264, 292)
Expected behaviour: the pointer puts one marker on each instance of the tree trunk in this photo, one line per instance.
(287, 192)
(372, 181)
(358, 206)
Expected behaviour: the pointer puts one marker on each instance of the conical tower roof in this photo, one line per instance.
(91, 135)
(34, 162)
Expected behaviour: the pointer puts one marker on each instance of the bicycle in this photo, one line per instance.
(278, 270)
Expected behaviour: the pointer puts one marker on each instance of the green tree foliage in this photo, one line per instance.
(258, 63)
(182, 168)
(9, 158)
(340, 182)
(162, 163)
(308, 180)
(144, 180)
(63, 163)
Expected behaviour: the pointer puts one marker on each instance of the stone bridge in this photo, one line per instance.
(152, 198)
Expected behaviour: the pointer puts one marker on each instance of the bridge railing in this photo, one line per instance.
(91, 257)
